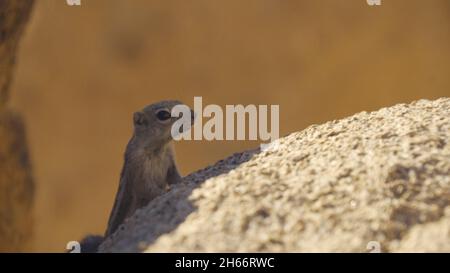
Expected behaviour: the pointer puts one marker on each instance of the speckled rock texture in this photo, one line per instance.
(379, 178)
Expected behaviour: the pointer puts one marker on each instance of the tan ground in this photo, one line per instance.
(372, 178)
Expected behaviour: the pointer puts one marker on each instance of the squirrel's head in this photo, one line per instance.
(153, 124)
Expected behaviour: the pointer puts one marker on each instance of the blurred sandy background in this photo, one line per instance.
(82, 71)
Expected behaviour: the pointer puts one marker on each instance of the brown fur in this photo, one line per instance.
(149, 166)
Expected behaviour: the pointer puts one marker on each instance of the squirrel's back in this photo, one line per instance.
(91, 243)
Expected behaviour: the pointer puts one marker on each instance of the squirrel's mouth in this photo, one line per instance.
(186, 127)
(193, 117)
(183, 124)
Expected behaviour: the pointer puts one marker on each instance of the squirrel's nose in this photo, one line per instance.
(193, 116)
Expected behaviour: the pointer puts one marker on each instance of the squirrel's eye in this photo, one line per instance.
(163, 115)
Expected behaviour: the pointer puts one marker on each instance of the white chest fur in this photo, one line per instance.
(154, 172)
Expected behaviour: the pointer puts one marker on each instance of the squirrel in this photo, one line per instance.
(149, 166)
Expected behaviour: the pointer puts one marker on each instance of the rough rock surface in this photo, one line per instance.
(16, 184)
(372, 179)
(13, 18)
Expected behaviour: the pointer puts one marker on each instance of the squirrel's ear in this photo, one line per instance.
(139, 118)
